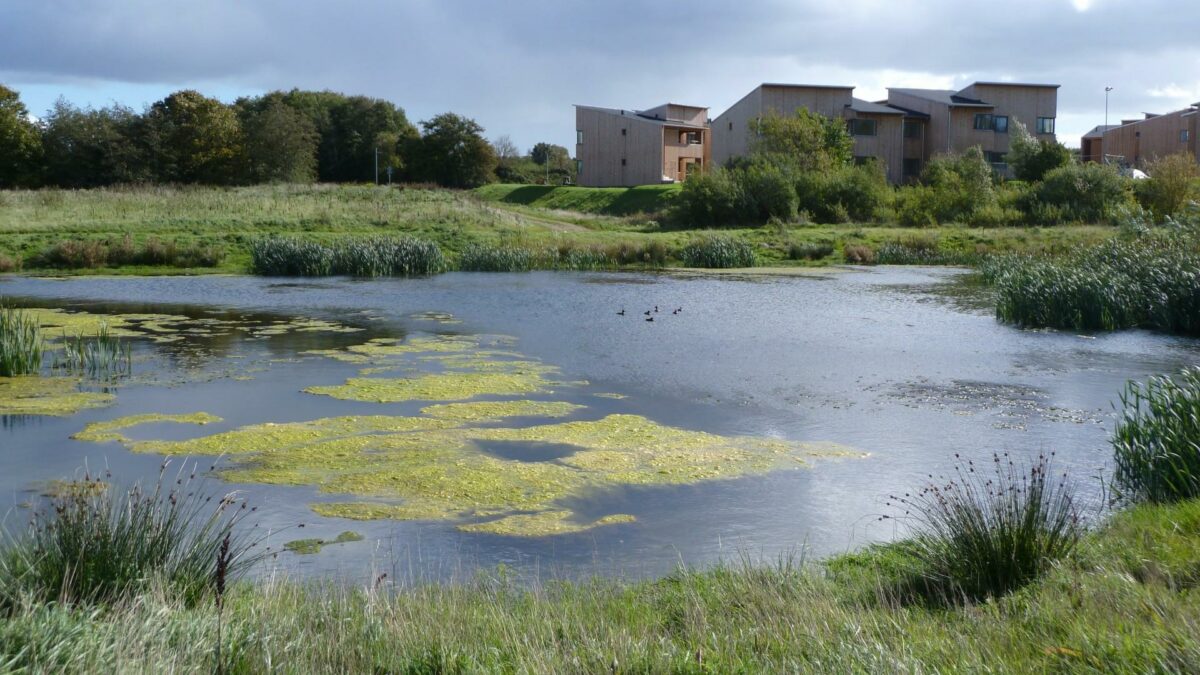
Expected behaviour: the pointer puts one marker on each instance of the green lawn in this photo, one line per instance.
(1126, 602)
(230, 218)
(645, 199)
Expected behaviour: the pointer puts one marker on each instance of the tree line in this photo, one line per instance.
(282, 136)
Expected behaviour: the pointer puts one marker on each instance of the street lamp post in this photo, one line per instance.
(1106, 90)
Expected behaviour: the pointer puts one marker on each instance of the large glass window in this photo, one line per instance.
(1045, 125)
(1000, 124)
(862, 127)
(912, 129)
(983, 121)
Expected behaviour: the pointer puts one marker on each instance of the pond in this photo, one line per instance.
(541, 421)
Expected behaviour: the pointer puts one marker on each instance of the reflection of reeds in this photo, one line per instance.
(20, 343)
(103, 356)
(1157, 442)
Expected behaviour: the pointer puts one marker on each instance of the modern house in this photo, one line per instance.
(1133, 142)
(908, 128)
(622, 148)
(979, 115)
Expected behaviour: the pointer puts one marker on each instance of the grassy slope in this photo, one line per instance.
(1125, 603)
(32, 221)
(648, 199)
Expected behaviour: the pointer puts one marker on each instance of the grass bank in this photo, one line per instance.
(124, 230)
(1124, 602)
(651, 200)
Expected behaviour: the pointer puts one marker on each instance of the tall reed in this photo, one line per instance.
(20, 343)
(989, 530)
(361, 257)
(102, 356)
(717, 252)
(1156, 445)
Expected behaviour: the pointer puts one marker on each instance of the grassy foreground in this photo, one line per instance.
(180, 225)
(1124, 602)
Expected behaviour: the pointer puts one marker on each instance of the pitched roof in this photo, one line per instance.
(909, 113)
(859, 105)
(1098, 132)
(944, 96)
(637, 115)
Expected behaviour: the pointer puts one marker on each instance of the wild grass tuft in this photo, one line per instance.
(717, 253)
(483, 258)
(20, 343)
(809, 250)
(361, 257)
(105, 545)
(1156, 444)
(987, 531)
(920, 251)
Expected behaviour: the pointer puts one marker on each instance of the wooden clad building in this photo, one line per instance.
(1135, 142)
(624, 148)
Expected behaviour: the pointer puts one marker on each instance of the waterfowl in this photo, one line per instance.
(622, 312)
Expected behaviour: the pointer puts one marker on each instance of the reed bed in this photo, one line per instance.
(1152, 281)
(718, 253)
(809, 250)
(1157, 441)
(96, 253)
(361, 257)
(921, 252)
(21, 345)
(101, 545)
(100, 357)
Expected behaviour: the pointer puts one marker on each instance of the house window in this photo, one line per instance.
(579, 167)
(994, 157)
(622, 161)
(1000, 124)
(984, 122)
(862, 127)
(1183, 135)
(579, 136)
(912, 129)
(623, 132)
(690, 137)
(1045, 125)
(731, 126)
(912, 168)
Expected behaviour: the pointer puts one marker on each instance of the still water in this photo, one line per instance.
(893, 367)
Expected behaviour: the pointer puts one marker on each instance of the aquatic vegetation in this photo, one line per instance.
(99, 546)
(542, 524)
(478, 411)
(100, 432)
(431, 468)
(1148, 282)
(718, 252)
(615, 397)
(484, 258)
(60, 489)
(439, 317)
(449, 386)
(361, 257)
(312, 546)
(1157, 441)
(104, 356)
(33, 395)
(20, 343)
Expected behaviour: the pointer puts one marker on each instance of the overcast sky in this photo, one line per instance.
(517, 66)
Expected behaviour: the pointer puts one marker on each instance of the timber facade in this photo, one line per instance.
(624, 148)
(617, 147)
(1133, 143)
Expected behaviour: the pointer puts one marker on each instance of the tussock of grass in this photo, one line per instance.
(1157, 441)
(718, 253)
(104, 546)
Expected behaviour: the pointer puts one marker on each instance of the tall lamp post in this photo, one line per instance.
(1106, 90)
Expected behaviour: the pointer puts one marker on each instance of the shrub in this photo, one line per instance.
(766, 191)
(983, 533)
(1156, 444)
(858, 254)
(627, 253)
(1030, 158)
(850, 193)
(920, 251)
(709, 199)
(809, 250)
(1172, 184)
(20, 343)
(100, 545)
(9, 264)
(1077, 193)
(717, 252)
